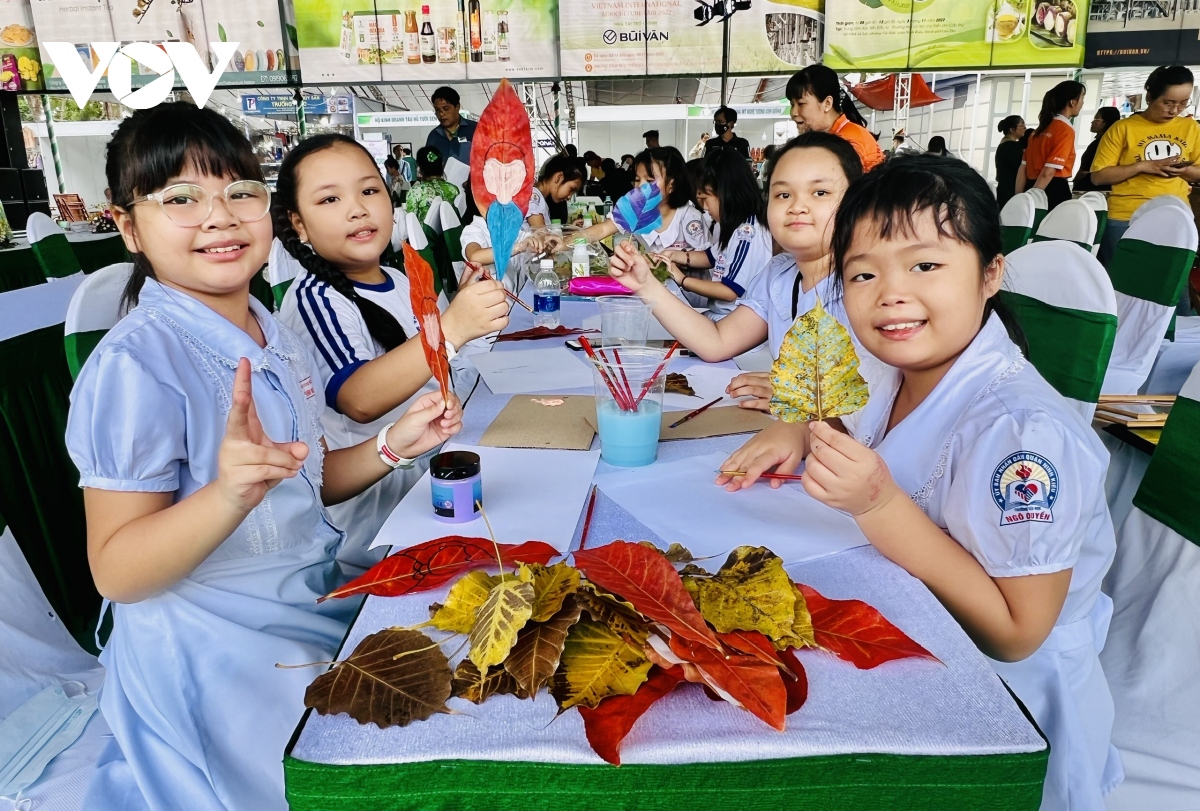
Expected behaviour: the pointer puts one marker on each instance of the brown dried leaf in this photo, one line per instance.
(616, 614)
(393, 677)
(469, 685)
(676, 552)
(678, 384)
(597, 663)
(498, 622)
(551, 585)
(539, 648)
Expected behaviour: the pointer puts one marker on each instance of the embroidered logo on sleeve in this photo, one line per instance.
(694, 228)
(1024, 487)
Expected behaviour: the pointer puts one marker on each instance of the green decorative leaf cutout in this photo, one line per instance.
(816, 374)
(221, 33)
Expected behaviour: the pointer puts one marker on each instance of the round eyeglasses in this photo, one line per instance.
(190, 205)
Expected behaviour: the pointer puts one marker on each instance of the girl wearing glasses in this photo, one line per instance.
(195, 425)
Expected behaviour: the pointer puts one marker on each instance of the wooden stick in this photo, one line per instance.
(657, 372)
(587, 519)
(1149, 399)
(695, 413)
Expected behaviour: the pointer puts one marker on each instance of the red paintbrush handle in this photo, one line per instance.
(657, 372)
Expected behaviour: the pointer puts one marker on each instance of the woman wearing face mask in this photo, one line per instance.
(1149, 153)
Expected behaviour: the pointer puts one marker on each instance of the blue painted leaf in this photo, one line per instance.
(504, 223)
(637, 212)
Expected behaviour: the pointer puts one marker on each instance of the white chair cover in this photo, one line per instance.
(1151, 657)
(416, 234)
(399, 228)
(1016, 221)
(1061, 274)
(282, 268)
(1040, 200)
(1098, 203)
(32, 308)
(1074, 221)
(1155, 203)
(1141, 323)
(39, 226)
(96, 303)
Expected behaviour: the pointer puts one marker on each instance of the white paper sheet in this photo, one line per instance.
(527, 371)
(529, 495)
(756, 360)
(709, 382)
(679, 502)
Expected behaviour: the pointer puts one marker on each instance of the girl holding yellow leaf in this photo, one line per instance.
(965, 467)
(806, 179)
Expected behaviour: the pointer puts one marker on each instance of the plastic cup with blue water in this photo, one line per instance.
(629, 394)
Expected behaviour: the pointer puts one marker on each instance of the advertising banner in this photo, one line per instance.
(1139, 33)
(672, 37)
(262, 56)
(887, 35)
(286, 105)
(431, 41)
(20, 62)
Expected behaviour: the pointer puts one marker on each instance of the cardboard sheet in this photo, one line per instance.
(544, 421)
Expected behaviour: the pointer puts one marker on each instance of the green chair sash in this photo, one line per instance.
(55, 256)
(1101, 222)
(79, 347)
(1168, 489)
(1152, 272)
(1040, 238)
(1039, 214)
(1070, 348)
(1013, 237)
(437, 254)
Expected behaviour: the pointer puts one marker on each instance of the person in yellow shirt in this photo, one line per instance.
(1148, 154)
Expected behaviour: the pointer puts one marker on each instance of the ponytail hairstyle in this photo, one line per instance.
(1008, 124)
(429, 162)
(895, 195)
(382, 325)
(823, 83)
(674, 170)
(569, 167)
(152, 146)
(726, 174)
(1055, 100)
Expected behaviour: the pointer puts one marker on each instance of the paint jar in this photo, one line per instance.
(457, 486)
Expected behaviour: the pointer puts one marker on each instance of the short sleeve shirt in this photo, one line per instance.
(864, 142)
(537, 205)
(1055, 147)
(1137, 138)
(739, 266)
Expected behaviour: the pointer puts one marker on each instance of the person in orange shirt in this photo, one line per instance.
(821, 104)
(1050, 156)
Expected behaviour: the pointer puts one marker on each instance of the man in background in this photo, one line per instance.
(723, 121)
(651, 137)
(452, 137)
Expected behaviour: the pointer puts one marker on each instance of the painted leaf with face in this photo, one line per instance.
(425, 308)
(502, 170)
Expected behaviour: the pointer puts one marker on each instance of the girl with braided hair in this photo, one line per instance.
(333, 214)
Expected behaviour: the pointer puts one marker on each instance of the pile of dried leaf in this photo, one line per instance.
(610, 635)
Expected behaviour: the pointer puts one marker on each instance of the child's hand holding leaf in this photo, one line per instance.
(629, 267)
(429, 422)
(844, 474)
(248, 462)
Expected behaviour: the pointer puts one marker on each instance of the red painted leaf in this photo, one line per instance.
(424, 301)
(857, 632)
(797, 687)
(433, 563)
(612, 719)
(534, 333)
(752, 643)
(647, 580)
(755, 685)
(503, 136)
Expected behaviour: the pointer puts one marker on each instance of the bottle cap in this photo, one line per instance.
(581, 240)
(547, 264)
(424, 9)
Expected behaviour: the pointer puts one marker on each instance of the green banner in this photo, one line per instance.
(884, 35)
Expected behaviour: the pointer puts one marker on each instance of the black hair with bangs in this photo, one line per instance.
(674, 170)
(840, 148)
(896, 194)
(152, 146)
(726, 174)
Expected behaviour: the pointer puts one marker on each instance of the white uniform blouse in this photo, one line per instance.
(740, 265)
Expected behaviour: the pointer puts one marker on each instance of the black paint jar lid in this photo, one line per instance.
(454, 465)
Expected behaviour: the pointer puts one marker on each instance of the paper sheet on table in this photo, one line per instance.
(526, 371)
(756, 360)
(529, 495)
(679, 502)
(709, 383)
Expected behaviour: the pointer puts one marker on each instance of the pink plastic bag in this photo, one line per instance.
(597, 286)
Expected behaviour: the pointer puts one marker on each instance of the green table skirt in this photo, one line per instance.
(19, 268)
(842, 782)
(99, 253)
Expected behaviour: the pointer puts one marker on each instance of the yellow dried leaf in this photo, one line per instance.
(508, 608)
(597, 663)
(802, 627)
(463, 602)
(551, 585)
(816, 374)
(750, 592)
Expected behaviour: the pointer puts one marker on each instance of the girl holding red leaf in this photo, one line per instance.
(966, 468)
(195, 426)
(333, 214)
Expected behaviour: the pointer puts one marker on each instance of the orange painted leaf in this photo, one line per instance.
(607, 725)
(433, 563)
(857, 632)
(797, 687)
(650, 583)
(756, 685)
(424, 301)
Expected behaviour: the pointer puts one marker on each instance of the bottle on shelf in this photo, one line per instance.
(412, 38)
(546, 296)
(502, 36)
(428, 47)
(580, 264)
(464, 31)
(476, 31)
(489, 36)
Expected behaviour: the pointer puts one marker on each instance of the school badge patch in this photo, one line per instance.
(1024, 487)
(694, 228)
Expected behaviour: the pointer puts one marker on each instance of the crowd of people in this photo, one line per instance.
(223, 450)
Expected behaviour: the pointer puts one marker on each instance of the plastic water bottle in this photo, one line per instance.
(580, 264)
(608, 205)
(546, 296)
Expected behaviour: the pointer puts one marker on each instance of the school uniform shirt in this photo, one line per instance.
(537, 205)
(776, 298)
(864, 142)
(333, 329)
(197, 708)
(687, 231)
(738, 267)
(996, 458)
(1137, 138)
(1054, 147)
(477, 232)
